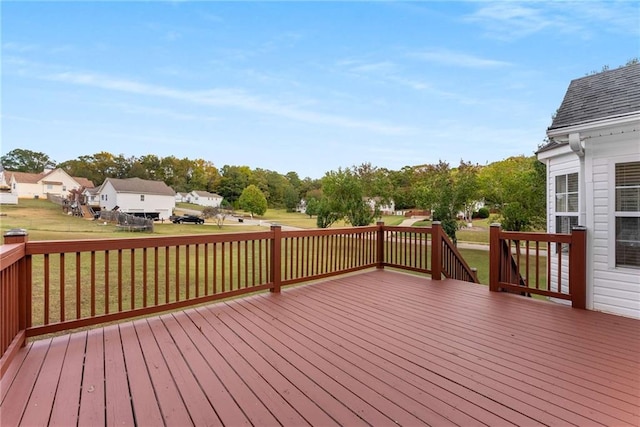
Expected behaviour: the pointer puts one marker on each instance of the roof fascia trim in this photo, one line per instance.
(590, 126)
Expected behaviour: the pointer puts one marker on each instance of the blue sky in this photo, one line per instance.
(299, 86)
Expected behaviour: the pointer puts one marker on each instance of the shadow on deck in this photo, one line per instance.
(377, 348)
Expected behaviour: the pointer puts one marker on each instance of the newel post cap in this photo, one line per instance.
(16, 232)
(15, 235)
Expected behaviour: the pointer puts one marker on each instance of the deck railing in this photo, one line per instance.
(51, 286)
(553, 265)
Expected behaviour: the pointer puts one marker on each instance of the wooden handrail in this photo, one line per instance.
(453, 264)
(526, 268)
(13, 298)
(78, 283)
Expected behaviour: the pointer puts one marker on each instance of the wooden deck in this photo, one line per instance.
(377, 348)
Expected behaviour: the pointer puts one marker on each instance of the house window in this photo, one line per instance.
(142, 197)
(64, 188)
(627, 214)
(566, 207)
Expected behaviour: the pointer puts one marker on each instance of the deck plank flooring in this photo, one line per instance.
(375, 348)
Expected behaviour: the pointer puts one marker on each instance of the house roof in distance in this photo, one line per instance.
(138, 185)
(34, 178)
(205, 194)
(609, 94)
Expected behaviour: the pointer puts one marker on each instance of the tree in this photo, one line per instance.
(375, 182)
(253, 200)
(520, 183)
(325, 215)
(233, 180)
(447, 192)
(344, 198)
(203, 175)
(291, 198)
(402, 185)
(21, 160)
(217, 213)
(465, 179)
(313, 207)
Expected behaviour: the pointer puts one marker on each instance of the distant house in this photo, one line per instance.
(181, 197)
(204, 198)
(6, 196)
(388, 208)
(91, 197)
(138, 197)
(301, 207)
(38, 185)
(593, 180)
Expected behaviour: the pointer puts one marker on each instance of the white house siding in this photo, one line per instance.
(56, 182)
(204, 199)
(8, 199)
(28, 191)
(63, 189)
(108, 197)
(130, 203)
(615, 289)
(562, 165)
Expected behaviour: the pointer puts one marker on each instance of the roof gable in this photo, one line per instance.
(205, 194)
(25, 177)
(610, 94)
(35, 178)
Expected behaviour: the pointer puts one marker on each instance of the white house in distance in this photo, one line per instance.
(385, 208)
(181, 197)
(138, 197)
(38, 185)
(593, 180)
(204, 198)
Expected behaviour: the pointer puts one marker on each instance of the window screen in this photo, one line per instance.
(627, 213)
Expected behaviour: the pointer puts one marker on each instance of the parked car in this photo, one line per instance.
(188, 219)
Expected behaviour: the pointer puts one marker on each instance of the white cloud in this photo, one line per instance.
(18, 47)
(457, 59)
(514, 20)
(227, 98)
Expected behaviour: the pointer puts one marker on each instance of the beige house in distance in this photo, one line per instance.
(38, 185)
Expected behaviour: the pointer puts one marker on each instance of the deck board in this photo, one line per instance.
(92, 397)
(66, 403)
(144, 403)
(118, 405)
(374, 348)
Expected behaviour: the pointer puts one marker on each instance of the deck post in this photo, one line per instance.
(436, 250)
(578, 267)
(276, 258)
(380, 245)
(20, 236)
(495, 256)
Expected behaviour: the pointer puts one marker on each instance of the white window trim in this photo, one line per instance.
(612, 212)
(554, 213)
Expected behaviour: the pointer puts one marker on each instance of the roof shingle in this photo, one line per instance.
(610, 94)
(137, 185)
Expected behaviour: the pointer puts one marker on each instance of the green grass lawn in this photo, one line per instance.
(477, 259)
(44, 220)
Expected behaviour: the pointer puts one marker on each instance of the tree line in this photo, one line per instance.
(513, 187)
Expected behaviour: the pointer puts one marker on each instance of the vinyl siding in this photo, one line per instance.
(615, 290)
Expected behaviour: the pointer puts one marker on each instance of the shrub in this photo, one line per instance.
(482, 213)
